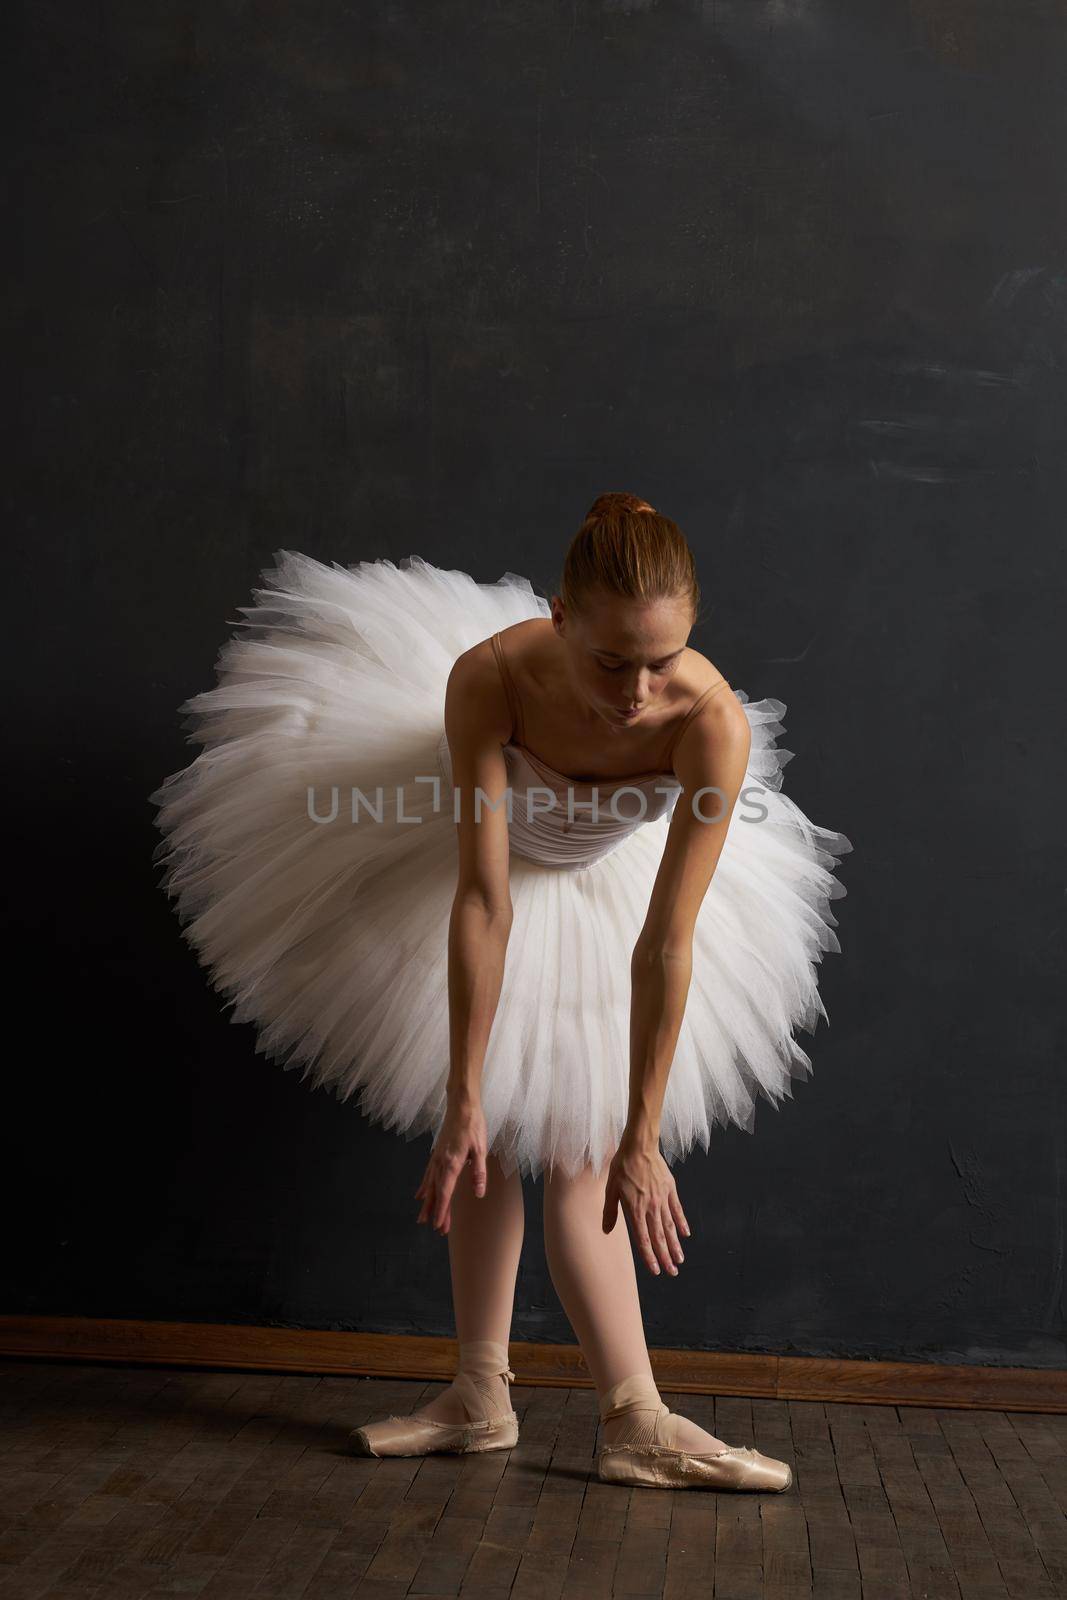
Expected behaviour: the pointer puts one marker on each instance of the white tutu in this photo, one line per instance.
(331, 935)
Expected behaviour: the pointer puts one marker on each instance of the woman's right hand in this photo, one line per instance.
(461, 1142)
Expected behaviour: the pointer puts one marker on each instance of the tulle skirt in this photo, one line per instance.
(331, 936)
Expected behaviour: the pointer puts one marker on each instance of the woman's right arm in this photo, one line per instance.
(477, 723)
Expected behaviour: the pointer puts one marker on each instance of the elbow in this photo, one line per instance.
(493, 905)
(662, 952)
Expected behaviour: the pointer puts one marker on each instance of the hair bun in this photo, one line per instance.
(605, 504)
(625, 547)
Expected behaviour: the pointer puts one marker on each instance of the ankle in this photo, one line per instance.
(633, 1413)
(637, 1392)
(630, 1411)
(494, 1395)
(482, 1380)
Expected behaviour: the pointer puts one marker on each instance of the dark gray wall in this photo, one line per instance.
(379, 279)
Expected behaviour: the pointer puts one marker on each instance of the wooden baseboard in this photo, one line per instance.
(223, 1345)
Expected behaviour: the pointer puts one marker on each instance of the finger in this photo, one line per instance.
(479, 1176)
(659, 1243)
(671, 1235)
(422, 1207)
(611, 1207)
(427, 1204)
(645, 1246)
(679, 1214)
(444, 1194)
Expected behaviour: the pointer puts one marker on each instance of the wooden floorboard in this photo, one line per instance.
(142, 1482)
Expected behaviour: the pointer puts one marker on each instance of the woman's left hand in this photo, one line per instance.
(642, 1180)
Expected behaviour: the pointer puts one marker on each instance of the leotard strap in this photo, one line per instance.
(514, 703)
(700, 701)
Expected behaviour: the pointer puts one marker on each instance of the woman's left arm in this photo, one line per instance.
(710, 762)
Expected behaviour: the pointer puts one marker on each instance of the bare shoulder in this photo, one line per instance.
(718, 721)
(476, 703)
(695, 677)
(523, 642)
(529, 648)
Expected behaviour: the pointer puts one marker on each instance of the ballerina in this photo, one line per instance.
(583, 937)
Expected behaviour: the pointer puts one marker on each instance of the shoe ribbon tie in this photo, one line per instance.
(635, 1393)
(635, 1405)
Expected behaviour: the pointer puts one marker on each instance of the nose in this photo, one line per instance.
(635, 694)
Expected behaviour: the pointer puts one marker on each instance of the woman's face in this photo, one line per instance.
(621, 653)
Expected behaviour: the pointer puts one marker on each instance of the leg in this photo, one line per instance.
(593, 1273)
(484, 1246)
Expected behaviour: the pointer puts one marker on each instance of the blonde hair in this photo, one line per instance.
(626, 547)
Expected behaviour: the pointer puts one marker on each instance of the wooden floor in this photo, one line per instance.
(143, 1481)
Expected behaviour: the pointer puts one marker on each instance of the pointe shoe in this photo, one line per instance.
(420, 1436)
(650, 1460)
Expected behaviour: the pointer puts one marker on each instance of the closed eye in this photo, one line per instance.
(659, 666)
